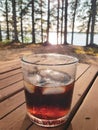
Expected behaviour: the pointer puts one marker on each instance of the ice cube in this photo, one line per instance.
(29, 87)
(55, 75)
(53, 90)
(60, 76)
(34, 79)
(37, 80)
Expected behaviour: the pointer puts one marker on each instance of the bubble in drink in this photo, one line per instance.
(49, 98)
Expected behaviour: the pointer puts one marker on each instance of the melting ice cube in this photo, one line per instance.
(37, 80)
(29, 87)
(53, 90)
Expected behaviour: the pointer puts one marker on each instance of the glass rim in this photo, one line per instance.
(25, 60)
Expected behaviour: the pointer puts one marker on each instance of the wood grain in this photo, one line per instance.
(13, 109)
(10, 80)
(87, 115)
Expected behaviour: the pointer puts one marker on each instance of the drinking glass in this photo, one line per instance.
(48, 83)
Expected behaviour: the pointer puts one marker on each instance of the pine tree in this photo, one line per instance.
(73, 21)
(0, 33)
(65, 22)
(15, 32)
(93, 14)
(7, 21)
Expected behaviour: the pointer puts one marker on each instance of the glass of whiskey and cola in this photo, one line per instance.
(49, 83)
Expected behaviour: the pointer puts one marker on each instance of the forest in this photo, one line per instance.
(33, 21)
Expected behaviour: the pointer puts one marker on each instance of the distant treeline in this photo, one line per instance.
(19, 17)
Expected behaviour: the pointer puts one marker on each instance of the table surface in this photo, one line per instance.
(84, 108)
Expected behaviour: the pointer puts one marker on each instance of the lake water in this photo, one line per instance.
(79, 38)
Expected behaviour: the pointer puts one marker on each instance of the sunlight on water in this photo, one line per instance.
(79, 38)
(53, 38)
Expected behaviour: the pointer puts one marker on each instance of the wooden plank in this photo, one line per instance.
(87, 115)
(11, 103)
(10, 73)
(11, 66)
(83, 83)
(82, 86)
(4, 64)
(36, 127)
(81, 68)
(9, 62)
(10, 80)
(11, 90)
(17, 120)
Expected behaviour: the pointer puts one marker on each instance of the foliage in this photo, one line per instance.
(27, 39)
(87, 50)
(5, 42)
(46, 16)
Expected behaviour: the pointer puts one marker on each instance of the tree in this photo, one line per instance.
(4, 10)
(14, 21)
(93, 14)
(58, 20)
(42, 13)
(62, 19)
(21, 20)
(88, 29)
(0, 33)
(7, 21)
(65, 22)
(33, 23)
(39, 17)
(41, 5)
(48, 21)
(73, 22)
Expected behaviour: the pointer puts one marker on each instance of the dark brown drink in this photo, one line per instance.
(50, 101)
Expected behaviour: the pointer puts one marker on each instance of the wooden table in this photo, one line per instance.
(84, 109)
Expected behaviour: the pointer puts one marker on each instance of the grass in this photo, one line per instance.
(87, 50)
